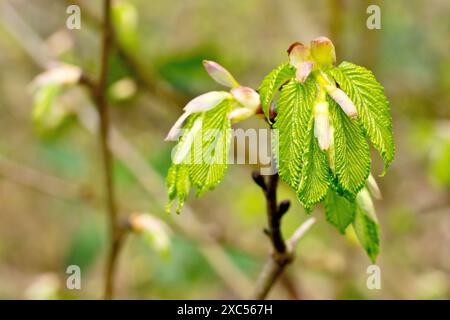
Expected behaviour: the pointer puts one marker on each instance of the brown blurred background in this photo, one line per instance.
(52, 212)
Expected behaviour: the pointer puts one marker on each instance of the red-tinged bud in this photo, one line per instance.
(220, 74)
(300, 58)
(298, 53)
(303, 71)
(247, 97)
(322, 51)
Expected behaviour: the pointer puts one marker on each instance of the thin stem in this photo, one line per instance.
(283, 251)
(273, 215)
(102, 106)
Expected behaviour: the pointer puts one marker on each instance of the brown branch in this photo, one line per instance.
(144, 77)
(115, 231)
(283, 251)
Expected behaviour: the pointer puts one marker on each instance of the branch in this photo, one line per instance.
(115, 231)
(153, 185)
(145, 78)
(283, 251)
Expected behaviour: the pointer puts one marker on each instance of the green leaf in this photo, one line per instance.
(339, 211)
(366, 225)
(178, 180)
(373, 107)
(201, 155)
(272, 83)
(351, 151)
(292, 122)
(178, 184)
(210, 161)
(315, 174)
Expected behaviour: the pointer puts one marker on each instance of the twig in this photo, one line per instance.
(142, 75)
(52, 186)
(153, 184)
(283, 251)
(115, 231)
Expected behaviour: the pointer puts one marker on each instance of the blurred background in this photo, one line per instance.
(51, 191)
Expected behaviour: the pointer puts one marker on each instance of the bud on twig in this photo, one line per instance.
(259, 180)
(153, 230)
(298, 53)
(247, 97)
(322, 51)
(220, 74)
(300, 58)
(303, 71)
(283, 207)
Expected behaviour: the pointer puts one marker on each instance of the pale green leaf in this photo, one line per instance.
(351, 151)
(366, 225)
(339, 210)
(200, 157)
(178, 184)
(272, 83)
(315, 173)
(292, 122)
(210, 149)
(372, 105)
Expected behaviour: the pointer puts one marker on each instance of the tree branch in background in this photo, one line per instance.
(282, 251)
(141, 73)
(115, 231)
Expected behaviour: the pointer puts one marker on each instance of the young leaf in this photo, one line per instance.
(339, 211)
(373, 107)
(293, 121)
(220, 74)
(351, 151)
(210, 153)
(272, 83)
(315, 173)
(366, 225)
(178, 184)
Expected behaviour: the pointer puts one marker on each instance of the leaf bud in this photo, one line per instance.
(220, 74)
(322, 51)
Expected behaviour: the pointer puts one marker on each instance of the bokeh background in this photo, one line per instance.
(52, 213)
